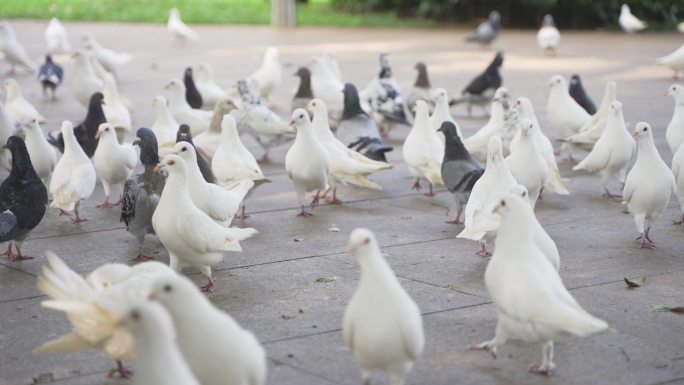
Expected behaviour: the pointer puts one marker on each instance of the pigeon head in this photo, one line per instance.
(48, 58)
(494, 151)
(105, 130)
(494, 17)
(625, 8)
(575, 80)
(524, 106)
(176, 293)
(503, 96)
(449, 130)
(316, 106)
(159, 101)
(385, 68)
(21, 160)
(187, 74)
(526, 127)
(440, 95)
(303, 73)
(643, 131)
(352, 105)
(511, 206)
(184, 134)
(519, 190)
(497, 62)
(185, 150)
(676, 91)
(96, 100)
(271, 54)
(557, 82)
(362, 242)
(204, 72)
(173, 12)
(616, 108)
(228, 127)
(422, 79)
(173, 164)
(175, 85)
(11, 87)
(548, 21)
(109, 274)
(300, 119)
(149, 149)
(67, 129)
(149, 322)
(14, 143)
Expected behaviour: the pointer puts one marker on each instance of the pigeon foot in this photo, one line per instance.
(120, 371)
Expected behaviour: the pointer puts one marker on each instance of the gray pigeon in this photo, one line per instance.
(50, 76)
(358, 130)
(142, 191)
(488, 30)
(460, 171)
(304, 92)
(481, 89)
(578, 93)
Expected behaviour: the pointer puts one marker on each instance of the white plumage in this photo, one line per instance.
(13, 50)
(18, 106)
(441, 113)
(674, 60)
(613, 152)
(675, 130)
(649, 185)
(178, 28)
(541, 309)
(73, 178)
(526, 163)
(85, 81)
(158, 360)
(190, 236)
(476, 144)
(307, 162)
(565, 116)
(548, 36)
(218, 350)
(43, 155)
(164, 126)
(115, 111)
(110, 60)
(207, 142)
(593, 129)
(382, 324)
(678, 172)
(114, 162)
(56, 37)
(198, 120)
(628, 21)
(327, 87)
(8, 127)
(206, 85)
(269, 75)
(265, 126)
(422, 149)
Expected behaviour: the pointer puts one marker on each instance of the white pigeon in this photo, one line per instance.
(56, 37)
(158, 359)
(269, 75)
(346, 165)
(114, 162)
(382, 324)
(678, 172)
(207, 142)
(307, 163)
(232, 162)
(221, 204)
(8, 127)
(330, 59)
(511, 124)
(110, 60)
(554, 182)
(675, 130)
(629, 22)
(327, 87)
(98, 68)
(593, 129)
(526, 163)
(198, 120)
(441, 113)
(423, 151)
(164, 126)
(84, 81)
(649, 185)
(476, 144)
(612, 153)
(115, 110)
(496, 179)
(218, 350)
(553, 313)
(206, 85)
(20, 108)
(548, 36)
(73, 178)
(178, 28)
(13, 51)
(190, 236)
(43, 155)
(96, 305)
(674, 60)
(565, 116)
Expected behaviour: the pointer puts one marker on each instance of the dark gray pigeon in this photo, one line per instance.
(192, 94)
(184, 135)
(481, 89)
(580, 95)
(23, 200)
(304, 92)
(141, 192)
(383, 95)
(86, 131)
(421, 88)
(488, 30)
(358, 130)
(460, 171)
(50, 76)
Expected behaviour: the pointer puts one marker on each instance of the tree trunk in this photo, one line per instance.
(283, 13)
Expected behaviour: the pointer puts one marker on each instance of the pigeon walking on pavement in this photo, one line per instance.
(178, 28)
(114, 163)
(422, 89)
(50, 76)
(192, 94)
(481, 89)
(628, 21)
(86, 131)
(675, 129)
(13, 50)
(56, 37)
(184, 134)
(304, 93)
(548, 36)
(487, 31)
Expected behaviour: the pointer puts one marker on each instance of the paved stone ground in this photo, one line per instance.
(272, 289)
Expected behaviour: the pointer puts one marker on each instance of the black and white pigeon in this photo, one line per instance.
(481, 89)
(304, 92)
(141, 192)
(488, 30)
(50, 76)
(460, 171)
(184, 135)
(383, 98)
(192, 94)
(358, 130)
(86, 131)
(23, 200)
(580, 95)
(422, 89)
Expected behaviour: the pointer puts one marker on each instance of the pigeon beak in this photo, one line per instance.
(167, 86)
(351, 249)
(292, 123)
(496, 209)
(158, 167)
(151, 297)
(136, 142)
(5, 146)
(98, 135)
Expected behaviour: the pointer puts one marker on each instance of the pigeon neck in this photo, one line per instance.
(193, 171)
(163, 114)
(21, 165)
(217, 117)
(228, 137)
(375, 270)
(177, 99)
(13, 93)
(304, 90)
(352, 106)
(95, 117)
(647, 148)
(149, 155)
(512, 233)
(422, 80)
(320, 123)
(454, 148)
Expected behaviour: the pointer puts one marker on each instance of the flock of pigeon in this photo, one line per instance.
(197, 176)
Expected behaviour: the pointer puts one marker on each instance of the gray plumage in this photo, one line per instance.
(142, 191)
(460, 171)
(304, 92)
(488, 30)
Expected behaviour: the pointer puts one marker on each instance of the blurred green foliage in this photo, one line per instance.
(528, 13)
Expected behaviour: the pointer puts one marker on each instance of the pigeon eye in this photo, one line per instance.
(503, 203)
(172, 162)
(524, 194)
(168, 289)
(135, 315)
(184, 149)
(301, 116)
(645, 129)
(366, 241)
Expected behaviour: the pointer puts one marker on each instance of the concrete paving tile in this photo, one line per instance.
(15, 283)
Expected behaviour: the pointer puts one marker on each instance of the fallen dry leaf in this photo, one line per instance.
(634, 283)
(325, 279)
(673, 309)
